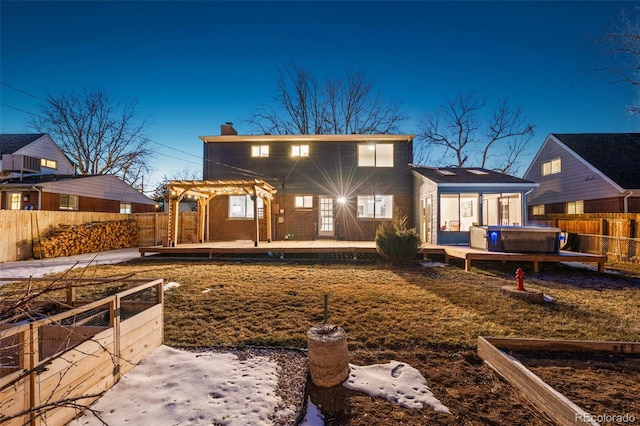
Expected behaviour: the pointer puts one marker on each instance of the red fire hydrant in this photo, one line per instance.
(520, 279)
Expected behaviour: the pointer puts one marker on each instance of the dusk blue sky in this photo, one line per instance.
(195, 65)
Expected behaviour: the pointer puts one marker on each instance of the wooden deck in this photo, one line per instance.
(355, 248)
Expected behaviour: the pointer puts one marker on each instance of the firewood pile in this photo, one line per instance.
(68, 240)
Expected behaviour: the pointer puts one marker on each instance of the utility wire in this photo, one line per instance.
(243, 172)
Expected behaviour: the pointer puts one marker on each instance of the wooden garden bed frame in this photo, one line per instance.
(544, 397)
(69, 362)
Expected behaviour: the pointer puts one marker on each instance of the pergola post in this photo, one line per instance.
(267, 217)
(205, 191)
(256, 218)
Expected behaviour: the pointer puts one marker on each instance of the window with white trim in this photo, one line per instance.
(125, 208)
(538, 209)
(375, 206)
(299, 150)
(69, 202)
(15, 201)
(552, 167)
(375, 155)
(260, 150)
(51, 164)
(303, 201)
(241, 207)
(575, 207)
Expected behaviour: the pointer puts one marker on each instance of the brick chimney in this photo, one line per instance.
(227, 129)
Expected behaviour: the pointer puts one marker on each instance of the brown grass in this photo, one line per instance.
(429, 317)
(381, 307)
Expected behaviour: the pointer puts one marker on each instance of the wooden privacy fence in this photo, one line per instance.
(614, 235)
(20, 229)
(154, 228)
(51, 366)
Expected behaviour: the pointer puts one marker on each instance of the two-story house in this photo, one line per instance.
(586, 173)
(328, 186)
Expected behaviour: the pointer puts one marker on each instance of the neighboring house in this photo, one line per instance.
(36, 175)
(90, 193)
(448, 201)
(326, 186)
(586, 173)
(27, 154)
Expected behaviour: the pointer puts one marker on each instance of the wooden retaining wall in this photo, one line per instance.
(51, 360)
(545, 398)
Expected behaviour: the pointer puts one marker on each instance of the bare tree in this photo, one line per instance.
(304, 105)
(623, 43)
(459, 135)
(98, 133)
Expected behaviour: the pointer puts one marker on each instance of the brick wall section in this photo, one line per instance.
(604, 205)
(51, 201)
(299, 224)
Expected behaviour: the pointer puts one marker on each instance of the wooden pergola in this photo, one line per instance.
(205, 190)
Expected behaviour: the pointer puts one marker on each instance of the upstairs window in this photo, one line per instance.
(299, 150)
(241, 207)
(375, 155)
(51, 164)
(552, 167)
(260, 150)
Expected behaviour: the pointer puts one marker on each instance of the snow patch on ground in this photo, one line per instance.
(177, 387)
(174, 387)
(170, 285)
(433, 264)
(396, 382)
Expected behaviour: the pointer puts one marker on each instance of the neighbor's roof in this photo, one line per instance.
(616, 155)
(475, 175)
(108, 187)
(11, 142)
(309, 138)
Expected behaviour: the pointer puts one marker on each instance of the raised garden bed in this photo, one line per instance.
(53, 365)
(514, 359)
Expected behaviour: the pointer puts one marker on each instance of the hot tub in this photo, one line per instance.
(515, 239)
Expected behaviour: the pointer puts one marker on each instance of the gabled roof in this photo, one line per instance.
(10, 143)
(468, 175)
(616, 155)
(108, 187)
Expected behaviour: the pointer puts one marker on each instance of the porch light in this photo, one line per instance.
(341, 200)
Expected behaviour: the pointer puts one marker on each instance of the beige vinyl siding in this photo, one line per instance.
(576, 181)
(45, 147)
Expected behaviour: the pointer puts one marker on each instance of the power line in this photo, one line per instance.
(241, 171)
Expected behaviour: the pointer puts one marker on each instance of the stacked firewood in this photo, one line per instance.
(67, 240)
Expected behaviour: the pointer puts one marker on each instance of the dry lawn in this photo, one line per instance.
(427, 316)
